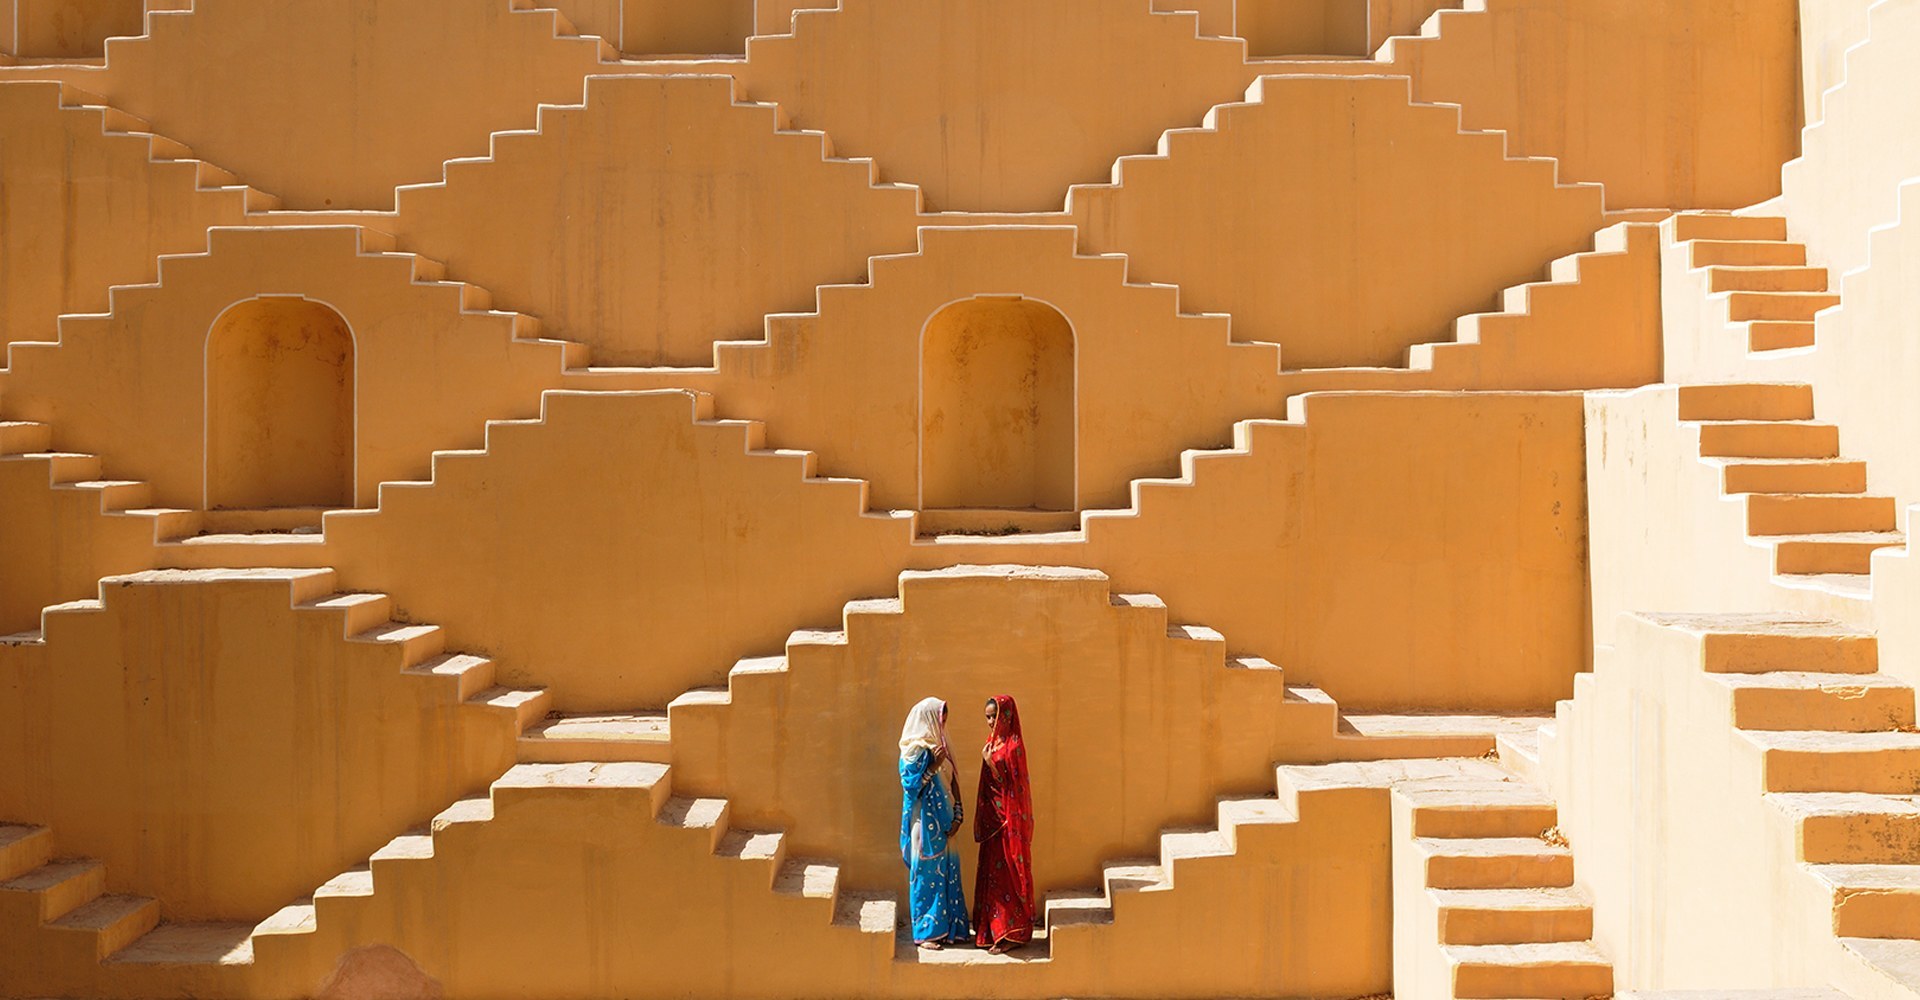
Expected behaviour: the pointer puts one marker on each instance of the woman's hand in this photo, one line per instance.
(986, 753)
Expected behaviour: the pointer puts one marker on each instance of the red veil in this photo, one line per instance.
(1003, 824)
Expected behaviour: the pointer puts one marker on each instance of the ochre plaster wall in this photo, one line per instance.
(223, 751)
(1459, 516)
(605, 863)
(1333, 217)
(131, 386)
(1130, 727)
(324, 102)
(846, 382)
(52, 29)
(738, 221)
(1715, 85)
(1597, 324)
(992, 105)
(85, 210)
(673, 27)
(1670, 105)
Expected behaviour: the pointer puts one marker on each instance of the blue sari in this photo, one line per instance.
(934, 899)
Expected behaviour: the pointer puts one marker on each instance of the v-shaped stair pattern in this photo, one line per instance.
(32, 441)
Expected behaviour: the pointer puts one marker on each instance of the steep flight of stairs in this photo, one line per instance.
(1756, 275)
(1500, 905)
(1839, 756)
(1802, 498)
(69, 897)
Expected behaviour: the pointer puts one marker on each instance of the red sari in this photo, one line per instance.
(1003, 824)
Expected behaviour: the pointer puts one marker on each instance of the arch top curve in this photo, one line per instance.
(998, 413)
(280, 405)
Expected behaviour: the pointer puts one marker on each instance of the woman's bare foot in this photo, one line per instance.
(1001, 948)
(932, 945)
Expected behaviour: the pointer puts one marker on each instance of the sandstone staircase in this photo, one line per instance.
(1839, 758)
(1220, 120)
(165, 153)
(1759, 277)
(32, 441)
(1802, 498)
(1301, 790)
(1498, 914)
(69, 897)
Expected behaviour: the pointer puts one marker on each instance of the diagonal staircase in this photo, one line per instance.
(1802, 499)
(1494, 909)
(1755, 276)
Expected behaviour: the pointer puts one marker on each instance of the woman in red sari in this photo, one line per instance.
(1003, 824)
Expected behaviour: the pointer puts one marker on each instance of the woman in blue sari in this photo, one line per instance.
(929, 813)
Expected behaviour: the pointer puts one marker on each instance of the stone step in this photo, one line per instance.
(470, 674)
(1877, 763)
(1757, 644)
(1792, 475)
(62, 466)
(1853, 827)
(1769, 439)
(1898, 959)
(1720, 226)
(1747, 401)
(1873, 901)
(1494, 862)
(1779, 334)
(1766, 278)
(1569, 970)
(1516, 812)
(1802, 306)
(191, 944)
(1785, 700)
(114, 921)
(807, 878)
(630, 736)
(1830, 552)
(1512, 916)
(1747, 253)
(20, 437)
(22, 849)
(55, 889)
(1818, 513)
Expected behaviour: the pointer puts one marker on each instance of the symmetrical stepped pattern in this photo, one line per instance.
(1760, 276)
(1802, 498)
(25, 440)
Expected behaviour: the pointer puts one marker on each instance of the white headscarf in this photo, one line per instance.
(925, 729)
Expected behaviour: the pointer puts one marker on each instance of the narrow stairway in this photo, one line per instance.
(1802, 498)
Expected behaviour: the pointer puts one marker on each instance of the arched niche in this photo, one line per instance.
(280, 398)
(997, 413)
